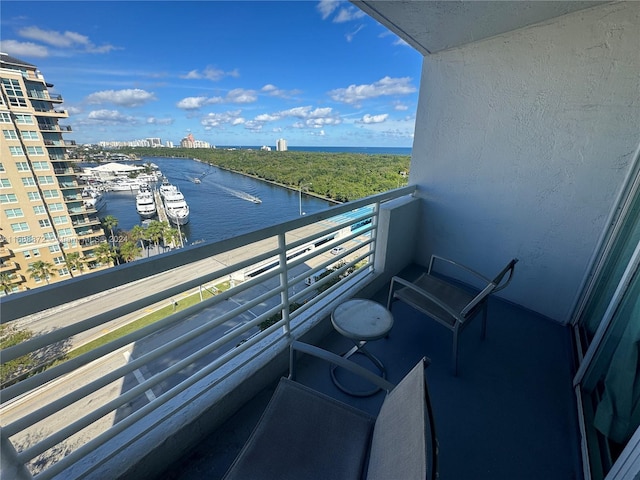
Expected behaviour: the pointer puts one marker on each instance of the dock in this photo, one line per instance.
(162, 214)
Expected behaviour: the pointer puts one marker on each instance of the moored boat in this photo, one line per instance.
(175, 205)
(93, 199)
(145, 202)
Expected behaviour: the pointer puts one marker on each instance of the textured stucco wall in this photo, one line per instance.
(522, 143)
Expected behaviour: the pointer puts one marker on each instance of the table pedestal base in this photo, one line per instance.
(359, 348)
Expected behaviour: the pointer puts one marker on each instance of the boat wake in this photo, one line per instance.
(239, 194)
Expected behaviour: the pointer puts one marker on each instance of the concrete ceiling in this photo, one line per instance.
(434, 25)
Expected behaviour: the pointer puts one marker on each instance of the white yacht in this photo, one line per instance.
(124, 185)
(145, 202)
(93, 199)
(166, 187)
(175, 205)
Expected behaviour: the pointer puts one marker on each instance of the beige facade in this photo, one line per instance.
(43, 217)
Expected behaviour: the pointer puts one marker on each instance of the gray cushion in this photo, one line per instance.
(398, 447)
(305, 435)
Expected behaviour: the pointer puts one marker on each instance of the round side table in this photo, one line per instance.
(361, 321)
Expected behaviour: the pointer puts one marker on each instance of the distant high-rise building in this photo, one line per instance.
(46, 229)
(190, 142)
(281, 145)
(154, 142)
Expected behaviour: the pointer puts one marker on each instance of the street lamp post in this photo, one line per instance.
(300, 187)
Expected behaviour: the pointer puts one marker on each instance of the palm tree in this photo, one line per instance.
(155, 231)
(75, 262)
(175, 236)
(110, 222)
(40, 269)
(6, 283)
(130, 251)
(104, 253)
(138, 234)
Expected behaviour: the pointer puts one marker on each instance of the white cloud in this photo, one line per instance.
(347, 14)
(23, 49)
(73, 110)
(327, 7)
(131, 97)
(67, 40)
(214, 120)
(240, 95)
(349, 36)
(355, 94)
(110, 116)
(237, 95)
(192, 103)
(274, 91)
(307, 117)
(374, 118)
(210, 73)
(400, 107)
(159, 121)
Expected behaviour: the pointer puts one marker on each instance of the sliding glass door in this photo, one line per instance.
(608, 327)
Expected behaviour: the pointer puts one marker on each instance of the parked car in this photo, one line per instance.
(337, 250)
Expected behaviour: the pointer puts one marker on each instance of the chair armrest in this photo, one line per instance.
(458, 265)
(330, 357)
(422, 292)
(510, 268)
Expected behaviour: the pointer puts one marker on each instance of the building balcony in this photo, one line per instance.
(72, 198)
(44, 95)
(8, 266)
(54, 143)
(64, 171)
(85, 221)
(53, 113)
(87, 232)
(179, 396)
(5, 252)
(54, 128)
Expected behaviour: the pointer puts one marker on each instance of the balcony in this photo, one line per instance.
(44, 95)
(85, 221)
(218, 353)
(64, 171)
(509, 159)
(50, 112)
(54, 128)
(8, 266)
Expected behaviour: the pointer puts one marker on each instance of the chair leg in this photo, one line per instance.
(484, 321)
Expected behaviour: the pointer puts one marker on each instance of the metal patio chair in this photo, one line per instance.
(305, 434)
(449, 304)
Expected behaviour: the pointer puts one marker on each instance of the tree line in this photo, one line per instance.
(341, 177)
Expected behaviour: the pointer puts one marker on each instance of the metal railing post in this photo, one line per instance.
(284, 282)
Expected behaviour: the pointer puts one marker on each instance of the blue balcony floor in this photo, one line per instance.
(509, 414)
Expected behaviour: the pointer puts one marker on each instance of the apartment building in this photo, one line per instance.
(44, 218)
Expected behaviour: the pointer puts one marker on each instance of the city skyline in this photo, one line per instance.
(230, 73)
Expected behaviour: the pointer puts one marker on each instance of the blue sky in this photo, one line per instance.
(231, 73)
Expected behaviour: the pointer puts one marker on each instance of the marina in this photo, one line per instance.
(215, 213)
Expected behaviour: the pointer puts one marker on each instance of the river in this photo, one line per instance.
(219, 205)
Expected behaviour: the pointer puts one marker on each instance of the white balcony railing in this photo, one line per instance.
(54, 417)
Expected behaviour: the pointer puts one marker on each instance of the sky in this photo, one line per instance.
(231, 73)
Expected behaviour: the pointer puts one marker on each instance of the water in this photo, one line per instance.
(221, 205)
